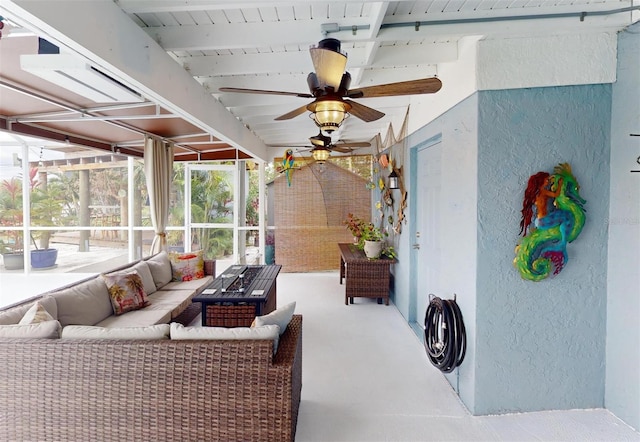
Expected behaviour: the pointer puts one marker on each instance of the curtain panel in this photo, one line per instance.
(158, 169)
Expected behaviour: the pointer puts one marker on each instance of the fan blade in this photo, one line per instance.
(341, 149)
(363, 112)
(348, 147)
(265, 92)
(354, 144)
(412, 87)
(294, 113)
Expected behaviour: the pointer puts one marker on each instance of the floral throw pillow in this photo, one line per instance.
(187, 266)
(126, 291)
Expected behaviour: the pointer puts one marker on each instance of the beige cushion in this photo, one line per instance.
(187, 266)
(142, 268)
(195, 284)
(151, 332)
(37, 313)
(126, 291)
(160, 268)
(86, 303)
(280, 317)
(175, 300)
(180, 332)
(15, 314)
(40, 330)
(139, 318)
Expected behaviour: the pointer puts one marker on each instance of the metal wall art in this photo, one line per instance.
(552, 216)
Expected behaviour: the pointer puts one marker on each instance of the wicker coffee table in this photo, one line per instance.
(238, 295)
(365, 278)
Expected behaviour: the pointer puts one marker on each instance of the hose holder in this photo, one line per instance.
(445, 339)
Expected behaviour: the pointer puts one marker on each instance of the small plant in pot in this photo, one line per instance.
(370, 238)
(47, 208)
(11, 241)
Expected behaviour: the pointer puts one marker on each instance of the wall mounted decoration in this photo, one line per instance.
(402, 200)
(287, 165)
(552, 216)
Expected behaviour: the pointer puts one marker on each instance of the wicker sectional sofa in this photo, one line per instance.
(143, 390)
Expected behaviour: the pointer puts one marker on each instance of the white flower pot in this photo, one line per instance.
(372, 249)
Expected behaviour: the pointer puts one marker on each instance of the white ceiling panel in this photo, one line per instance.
(264, 45)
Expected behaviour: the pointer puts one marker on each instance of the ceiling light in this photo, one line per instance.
(320, 154)
(329, 114)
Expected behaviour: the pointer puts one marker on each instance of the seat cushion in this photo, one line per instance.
(195, 285)
(180, 332)
(137, 318)
(86, 303)
(15, 314)
(40, 330)
(149, 332)
(160, 268)
(176, 300)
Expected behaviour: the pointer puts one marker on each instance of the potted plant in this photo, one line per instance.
(370, 238)
(47, 207)
(11, 242)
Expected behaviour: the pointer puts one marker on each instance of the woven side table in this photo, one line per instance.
(365, 278)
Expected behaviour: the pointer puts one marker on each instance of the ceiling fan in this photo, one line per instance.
(325, 142)
(329, 87)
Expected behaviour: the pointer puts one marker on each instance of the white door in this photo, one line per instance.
(428, 228)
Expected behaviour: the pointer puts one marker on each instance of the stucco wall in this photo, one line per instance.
(622, 395)
(540, 345)
(456, 131)
(572, 341)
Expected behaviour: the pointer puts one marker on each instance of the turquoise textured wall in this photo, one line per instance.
(540, 345)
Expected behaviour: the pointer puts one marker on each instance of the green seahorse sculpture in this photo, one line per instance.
(560, 216)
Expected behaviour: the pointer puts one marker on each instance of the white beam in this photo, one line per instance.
(243, 35)
(151, 6)
(242, 64)
(282, 62)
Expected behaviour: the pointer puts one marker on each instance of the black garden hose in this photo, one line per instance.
(444, 334)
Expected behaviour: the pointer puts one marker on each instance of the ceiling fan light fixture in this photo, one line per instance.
(320, 154)
(320, 140)
(329, 62)
(329, 114)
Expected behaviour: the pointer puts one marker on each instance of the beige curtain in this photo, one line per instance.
(158, 168)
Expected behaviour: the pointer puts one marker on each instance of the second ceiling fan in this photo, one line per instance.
(329, 87)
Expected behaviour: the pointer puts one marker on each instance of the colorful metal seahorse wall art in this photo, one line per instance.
(553, 215)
